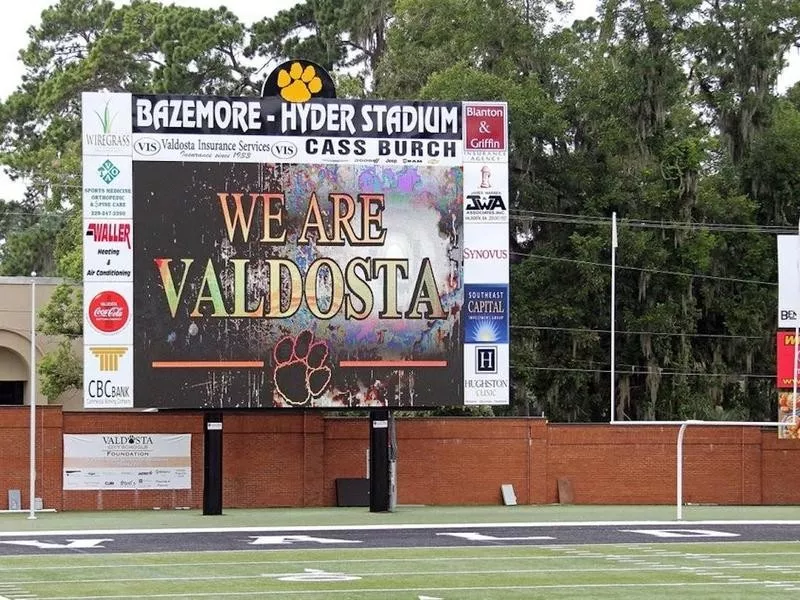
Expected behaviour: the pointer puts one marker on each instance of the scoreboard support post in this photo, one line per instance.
(212, 463)
(379, 472)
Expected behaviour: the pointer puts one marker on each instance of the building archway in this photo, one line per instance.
(15, 368)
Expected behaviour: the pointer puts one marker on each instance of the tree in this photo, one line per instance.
(83, 45)
(635, 145)
(344, 36)
(427, 37)
(738, 49)
(662, 111)
(306, 30)
(27, 239)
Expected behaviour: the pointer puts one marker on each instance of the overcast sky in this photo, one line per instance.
(14, 24)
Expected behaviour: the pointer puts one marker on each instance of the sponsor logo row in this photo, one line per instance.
(485, 132)
(486, 374)
(486, 253)
(486, 344)
(486, 193)
(108, 313)
(324, 150)
(213, 148)
(108, 376)
(108, 343)
(108, 250)
(109, 121)
(107, 183)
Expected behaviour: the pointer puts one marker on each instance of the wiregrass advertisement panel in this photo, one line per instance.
(254, 252)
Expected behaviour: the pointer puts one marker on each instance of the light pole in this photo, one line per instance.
(613, 314)
(32, 386)
(796, 328)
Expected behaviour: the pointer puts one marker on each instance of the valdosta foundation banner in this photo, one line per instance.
(135, 461)
(253, 252)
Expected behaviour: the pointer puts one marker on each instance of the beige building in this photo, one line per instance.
(15, 341)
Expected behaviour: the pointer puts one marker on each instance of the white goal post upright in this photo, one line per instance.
(682, 425)
(796, 335)
(614, 244)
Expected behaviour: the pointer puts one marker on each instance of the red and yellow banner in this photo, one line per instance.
(785, 359)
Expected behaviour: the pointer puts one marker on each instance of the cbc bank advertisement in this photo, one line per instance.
(265, 253)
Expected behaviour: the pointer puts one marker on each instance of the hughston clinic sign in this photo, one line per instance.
(294, 250)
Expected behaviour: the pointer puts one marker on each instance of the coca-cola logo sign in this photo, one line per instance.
(108, 312)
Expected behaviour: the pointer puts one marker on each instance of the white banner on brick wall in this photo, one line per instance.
(128, 461)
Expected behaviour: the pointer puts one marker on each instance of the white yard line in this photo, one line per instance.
(367, 574)
(716, 566)
(11, 588)
(710, 566)
(390, 527)
(102, 560)
(428, 590)
(101, 564)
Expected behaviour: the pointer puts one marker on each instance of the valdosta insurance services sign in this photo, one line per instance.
(259, 252)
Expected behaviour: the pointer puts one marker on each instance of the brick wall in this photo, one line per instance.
(15, 454)
(294, 458)
(636, 464)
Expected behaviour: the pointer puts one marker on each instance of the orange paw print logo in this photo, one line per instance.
(301, 368)
(299, 84)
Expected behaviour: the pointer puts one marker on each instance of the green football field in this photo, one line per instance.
(707, 570)
(687, 571)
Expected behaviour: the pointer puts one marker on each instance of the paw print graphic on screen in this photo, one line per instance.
(301, 368)
(299, 84)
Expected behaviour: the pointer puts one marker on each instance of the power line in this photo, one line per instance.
(641, 221)
(642, 332)
(627, 368)
(643, 269)
(600, 220)
(548, 328)
(644, 372)
(606, 265)
(597, 220)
